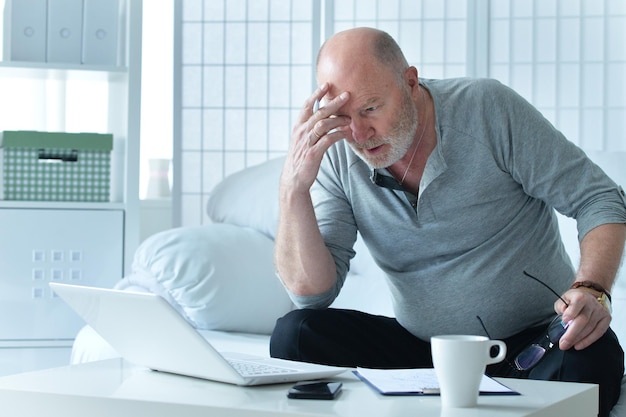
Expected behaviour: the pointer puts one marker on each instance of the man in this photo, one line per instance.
(452, 185)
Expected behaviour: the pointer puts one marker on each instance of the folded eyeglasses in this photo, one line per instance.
(531, 355)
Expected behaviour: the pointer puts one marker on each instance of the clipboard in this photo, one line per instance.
(422, 381)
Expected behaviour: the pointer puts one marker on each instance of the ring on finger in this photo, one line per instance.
(317, 135)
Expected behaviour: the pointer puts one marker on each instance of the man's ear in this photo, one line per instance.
(411, 78)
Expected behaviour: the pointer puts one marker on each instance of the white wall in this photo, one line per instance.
(155, 216)
(157, 86)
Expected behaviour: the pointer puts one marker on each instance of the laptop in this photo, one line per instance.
(147, 331)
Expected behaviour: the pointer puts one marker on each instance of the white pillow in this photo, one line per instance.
(219, 276)
(249, 198)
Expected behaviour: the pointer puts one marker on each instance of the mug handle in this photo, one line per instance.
(501, 354)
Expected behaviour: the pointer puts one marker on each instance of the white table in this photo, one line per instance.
(117, 388)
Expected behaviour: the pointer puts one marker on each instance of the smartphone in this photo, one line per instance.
(315, 390)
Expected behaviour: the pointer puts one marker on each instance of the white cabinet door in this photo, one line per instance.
(40, 246)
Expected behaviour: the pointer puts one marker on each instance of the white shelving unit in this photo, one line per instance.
(88, 243)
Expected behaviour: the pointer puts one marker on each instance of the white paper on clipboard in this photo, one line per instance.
(419, 382)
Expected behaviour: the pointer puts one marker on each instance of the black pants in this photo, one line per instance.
(352, 338)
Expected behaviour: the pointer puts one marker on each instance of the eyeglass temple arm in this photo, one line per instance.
(483, 326)
(539, 281)
(547, 286)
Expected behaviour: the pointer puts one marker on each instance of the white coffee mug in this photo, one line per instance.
(460, 362)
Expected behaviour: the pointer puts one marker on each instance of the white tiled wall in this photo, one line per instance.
(245, 68)
(569, 59)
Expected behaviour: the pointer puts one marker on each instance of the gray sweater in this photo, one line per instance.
(484, 214)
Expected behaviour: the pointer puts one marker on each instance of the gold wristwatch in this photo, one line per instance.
(604, 298)
(606, 302)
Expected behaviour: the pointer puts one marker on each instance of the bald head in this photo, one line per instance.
(356, 47)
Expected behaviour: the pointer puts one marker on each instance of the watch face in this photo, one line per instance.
(606, 303)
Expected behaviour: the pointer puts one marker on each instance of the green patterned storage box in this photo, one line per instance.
(55, 166)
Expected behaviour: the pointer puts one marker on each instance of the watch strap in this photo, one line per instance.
(593, 285)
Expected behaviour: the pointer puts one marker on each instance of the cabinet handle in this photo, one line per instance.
(57, 156)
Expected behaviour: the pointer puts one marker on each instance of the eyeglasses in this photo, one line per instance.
(531, 355)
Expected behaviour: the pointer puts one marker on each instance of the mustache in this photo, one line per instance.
(371, 143)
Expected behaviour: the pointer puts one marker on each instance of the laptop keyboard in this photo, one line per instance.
(247, 368)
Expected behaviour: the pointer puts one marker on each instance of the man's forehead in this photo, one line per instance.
(356, 102)
(360, 86)
(354, 77)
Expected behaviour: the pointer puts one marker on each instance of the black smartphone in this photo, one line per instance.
(315, 390)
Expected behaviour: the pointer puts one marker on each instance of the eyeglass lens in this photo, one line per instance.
(530, 356)
(557, 329)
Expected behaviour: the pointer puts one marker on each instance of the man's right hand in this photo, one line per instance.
(314, 132)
